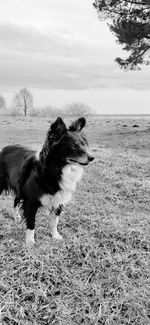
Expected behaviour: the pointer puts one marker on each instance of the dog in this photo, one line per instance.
(46, 178)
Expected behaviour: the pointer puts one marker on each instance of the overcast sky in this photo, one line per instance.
(63, 54)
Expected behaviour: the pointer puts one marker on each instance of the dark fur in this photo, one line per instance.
(29, 177)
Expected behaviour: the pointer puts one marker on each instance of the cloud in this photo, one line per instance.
(59, 59)
(48, 58)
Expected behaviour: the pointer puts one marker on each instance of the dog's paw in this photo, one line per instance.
(30, 243)
(29, 237)
(57, 236)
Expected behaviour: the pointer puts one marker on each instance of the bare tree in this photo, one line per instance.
(77, 109)
(50, 111)
(23, 100)
(2, 102)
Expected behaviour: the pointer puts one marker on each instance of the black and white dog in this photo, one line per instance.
(48, 177)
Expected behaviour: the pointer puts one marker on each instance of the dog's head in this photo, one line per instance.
(69, 145)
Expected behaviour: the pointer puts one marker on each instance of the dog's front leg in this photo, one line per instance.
(29, 212)
(54, 222)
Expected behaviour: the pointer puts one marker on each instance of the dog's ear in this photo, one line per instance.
(78, 125)
(58, 127)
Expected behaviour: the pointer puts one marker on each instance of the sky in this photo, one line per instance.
(63, 54)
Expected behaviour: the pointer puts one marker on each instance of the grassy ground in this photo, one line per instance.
(100, 273)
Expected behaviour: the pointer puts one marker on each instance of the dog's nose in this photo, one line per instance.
(91, 158)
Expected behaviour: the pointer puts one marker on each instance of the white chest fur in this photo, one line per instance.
(71, 175)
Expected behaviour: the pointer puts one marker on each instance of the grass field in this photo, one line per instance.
(100, 273)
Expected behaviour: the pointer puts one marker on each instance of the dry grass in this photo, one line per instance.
(100, 273)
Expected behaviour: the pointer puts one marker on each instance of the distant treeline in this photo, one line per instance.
(23, 104)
